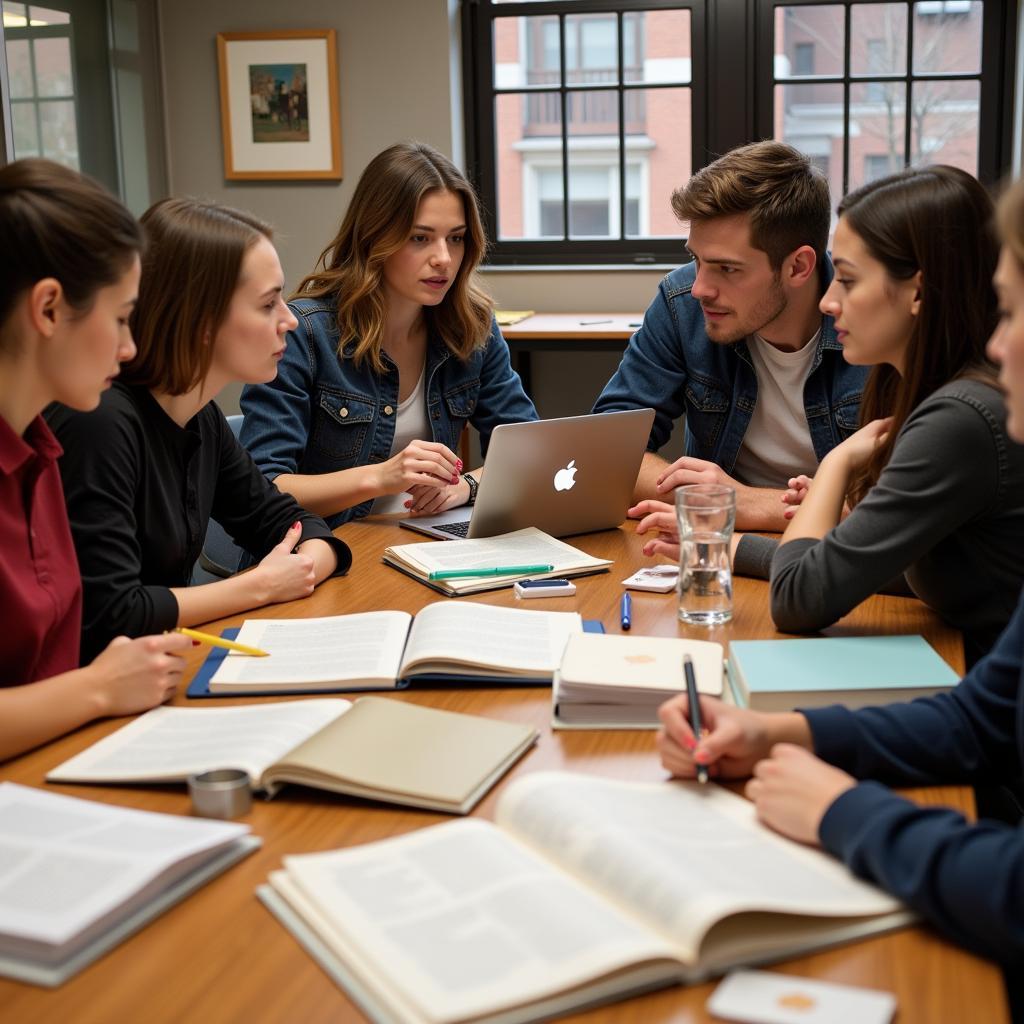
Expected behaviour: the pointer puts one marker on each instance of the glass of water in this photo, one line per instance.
(706, 514)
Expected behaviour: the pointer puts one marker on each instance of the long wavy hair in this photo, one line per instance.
(936, 220)
(377, 224)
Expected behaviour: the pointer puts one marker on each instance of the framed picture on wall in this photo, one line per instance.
(279, 104)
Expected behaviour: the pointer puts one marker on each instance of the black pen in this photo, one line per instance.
(695, 723)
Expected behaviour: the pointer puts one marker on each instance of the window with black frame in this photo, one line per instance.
(586, 120)
(584, 115)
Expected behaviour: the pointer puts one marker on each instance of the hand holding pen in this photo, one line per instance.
(695, 720)
(734, 739)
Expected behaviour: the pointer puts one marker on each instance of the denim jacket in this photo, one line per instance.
(672, 366)
(322, 413)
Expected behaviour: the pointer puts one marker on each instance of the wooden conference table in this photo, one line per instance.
(561, 332)
(220, 956)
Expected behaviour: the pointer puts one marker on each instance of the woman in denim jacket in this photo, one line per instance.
(395, 350)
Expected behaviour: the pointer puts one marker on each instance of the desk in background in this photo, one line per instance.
(221, 957)
(566, 332)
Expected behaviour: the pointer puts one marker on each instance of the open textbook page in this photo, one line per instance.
(523, 547)
(685, 858)
(456, 921)
(585, 890)
(68, 867)
(502, 641)
(364, 649)
(169, 744)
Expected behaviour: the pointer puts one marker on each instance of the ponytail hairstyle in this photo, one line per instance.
(55, 222)
(190, 272)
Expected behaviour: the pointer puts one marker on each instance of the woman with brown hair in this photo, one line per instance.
(396, 348)
(821, 776)
(935, 486)
(146, 471)
(69, 254)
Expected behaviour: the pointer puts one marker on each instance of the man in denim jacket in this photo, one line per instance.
(736, 341)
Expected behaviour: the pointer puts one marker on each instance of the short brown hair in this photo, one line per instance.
(1010, 219)
(190, 271)
(784, 193)
(376, 225)
(55, 222)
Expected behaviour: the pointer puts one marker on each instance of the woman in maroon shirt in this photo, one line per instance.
(69, 267)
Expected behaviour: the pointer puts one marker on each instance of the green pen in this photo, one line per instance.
(498, 570)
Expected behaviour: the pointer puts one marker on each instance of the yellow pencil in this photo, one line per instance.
(219, 641)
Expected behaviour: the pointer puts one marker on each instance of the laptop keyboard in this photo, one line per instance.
(455, 529)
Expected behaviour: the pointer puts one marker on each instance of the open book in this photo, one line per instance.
(619, 682)
(586, 890)
(78, 877)
(524, 547)
(376, 748)
(445, 643)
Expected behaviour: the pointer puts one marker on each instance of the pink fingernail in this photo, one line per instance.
(408, 504)
(455, 478)
(690, 743)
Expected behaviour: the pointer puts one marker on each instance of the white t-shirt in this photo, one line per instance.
(411, 424)
(777, 444)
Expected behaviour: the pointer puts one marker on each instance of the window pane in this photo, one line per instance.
(19, 68)
(526, 52)
(656, 46)
(878, 39)
(877, 130)
(810, 118)
(46, 16)
(944, 124)
(60, 135)
(528, 164)
(820, 27)
(661, 153)
(593, 156)
(26, 132)
(947, 42)
(591, 48)
(53, 67)
(14, 15)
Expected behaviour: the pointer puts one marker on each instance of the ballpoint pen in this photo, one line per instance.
(498, 570)
(694, 701)
(626, 610)
(219, 641)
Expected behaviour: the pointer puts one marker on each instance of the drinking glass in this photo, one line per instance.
(705, 514)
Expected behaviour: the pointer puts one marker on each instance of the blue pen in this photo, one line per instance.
(626, 610)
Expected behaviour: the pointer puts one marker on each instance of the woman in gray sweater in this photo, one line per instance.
(934, 485)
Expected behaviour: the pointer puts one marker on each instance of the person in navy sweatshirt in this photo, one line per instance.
(822, 776)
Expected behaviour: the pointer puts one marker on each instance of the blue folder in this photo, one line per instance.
(200, 685)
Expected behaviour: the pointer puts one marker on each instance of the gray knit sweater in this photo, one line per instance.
(947, 511)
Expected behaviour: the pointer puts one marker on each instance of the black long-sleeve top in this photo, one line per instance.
(140, 492)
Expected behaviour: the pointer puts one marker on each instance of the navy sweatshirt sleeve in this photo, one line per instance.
(967, 880)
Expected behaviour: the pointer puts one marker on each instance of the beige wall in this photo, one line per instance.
(399, 75)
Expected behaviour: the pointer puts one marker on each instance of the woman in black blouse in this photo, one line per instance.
(146, 471)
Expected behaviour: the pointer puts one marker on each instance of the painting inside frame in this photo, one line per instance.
(279, 104)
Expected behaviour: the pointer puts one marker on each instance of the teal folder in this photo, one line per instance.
(780, 675)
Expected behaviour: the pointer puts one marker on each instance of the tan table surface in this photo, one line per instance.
(220, 956)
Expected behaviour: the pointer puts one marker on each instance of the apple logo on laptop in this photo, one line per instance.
(565, 479)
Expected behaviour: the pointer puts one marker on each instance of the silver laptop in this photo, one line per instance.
(564, 476)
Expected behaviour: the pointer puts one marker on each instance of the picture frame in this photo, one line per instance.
(279, 104)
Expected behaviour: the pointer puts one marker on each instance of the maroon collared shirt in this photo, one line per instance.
(40, 586)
